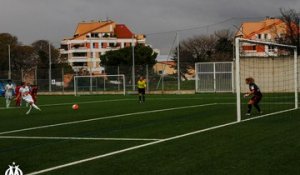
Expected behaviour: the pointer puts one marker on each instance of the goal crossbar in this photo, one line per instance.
(264, 43)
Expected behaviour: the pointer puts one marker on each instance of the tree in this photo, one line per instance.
(292, 22)
(204, 48)
(24, 57)
(143, 55)
(6, 40)
(41, 48)
(224, 45)
(197, 49)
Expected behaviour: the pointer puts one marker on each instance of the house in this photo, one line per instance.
(164, 65)
(93, 39)
(268, 30)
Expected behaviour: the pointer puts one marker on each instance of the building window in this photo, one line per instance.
(64, 47)
(266, 36)
(79, 54)
(95, 45)
(103, 45)
(80, 64)
(271, 48)
(106, 35)
(95, 35)
(112, 45)
(259, 36)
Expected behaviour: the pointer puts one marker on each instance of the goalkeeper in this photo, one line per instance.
(141, 85)
(256, 95)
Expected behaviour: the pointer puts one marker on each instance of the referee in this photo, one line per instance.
(141, 84)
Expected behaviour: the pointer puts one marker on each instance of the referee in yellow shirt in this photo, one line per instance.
(141, 84)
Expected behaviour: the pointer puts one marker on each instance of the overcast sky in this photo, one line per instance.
(54, 20)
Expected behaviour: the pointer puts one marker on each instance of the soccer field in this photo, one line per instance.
(169, 134)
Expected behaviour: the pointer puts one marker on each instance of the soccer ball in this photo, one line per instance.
(75, 107)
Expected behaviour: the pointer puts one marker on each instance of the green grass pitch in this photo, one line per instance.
(114, 134)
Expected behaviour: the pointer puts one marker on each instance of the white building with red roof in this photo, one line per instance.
(93, 39)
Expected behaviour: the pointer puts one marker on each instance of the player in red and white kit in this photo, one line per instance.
(19, 99)
(33, 93)
(25, 94)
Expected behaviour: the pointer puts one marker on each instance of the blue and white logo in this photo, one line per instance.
(13, 170)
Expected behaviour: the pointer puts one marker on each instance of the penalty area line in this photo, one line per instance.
(152, 143)
(104, 118)
(77, 138)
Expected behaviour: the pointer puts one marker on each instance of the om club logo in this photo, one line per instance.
(13, 170)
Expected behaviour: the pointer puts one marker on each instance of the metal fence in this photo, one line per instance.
(158, 78)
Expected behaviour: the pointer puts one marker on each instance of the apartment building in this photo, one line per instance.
(93, 39)
(269, 30)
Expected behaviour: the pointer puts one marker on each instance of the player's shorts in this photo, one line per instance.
(256, 99)
(28, 98)
(141, 91)
(8, 95)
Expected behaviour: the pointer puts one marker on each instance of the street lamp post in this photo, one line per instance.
(50, 67)
(133, 64)
(178, 62)
(9, 63)
(91, 61)
(298, 36)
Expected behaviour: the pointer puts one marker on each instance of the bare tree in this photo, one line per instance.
(24, 58)
(6, 40)
(205, 48)
(224, 45)
(292, 20)
(196, 49)
(41, 48)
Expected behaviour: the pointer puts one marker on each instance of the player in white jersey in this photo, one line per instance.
(9, 92)
(25, 94)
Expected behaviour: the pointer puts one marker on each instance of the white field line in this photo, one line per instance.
(77, 138)
(71, 103)
(104, 118)
(265, 115)
(151, 143)
(262, 103)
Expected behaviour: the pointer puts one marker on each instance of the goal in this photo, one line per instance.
(214, 77)
(99, 84)
(274, 67)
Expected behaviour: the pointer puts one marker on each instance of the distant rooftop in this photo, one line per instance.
(163, 58)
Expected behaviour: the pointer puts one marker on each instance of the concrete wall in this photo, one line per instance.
(270, 74)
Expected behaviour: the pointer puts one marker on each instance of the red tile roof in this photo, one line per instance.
(122, 31)
(86, 28)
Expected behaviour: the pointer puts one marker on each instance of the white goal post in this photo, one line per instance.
(276, 70)
(99, 84)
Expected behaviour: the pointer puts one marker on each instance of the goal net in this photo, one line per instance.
(99, 84)
(274, 69)
(214, 77)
